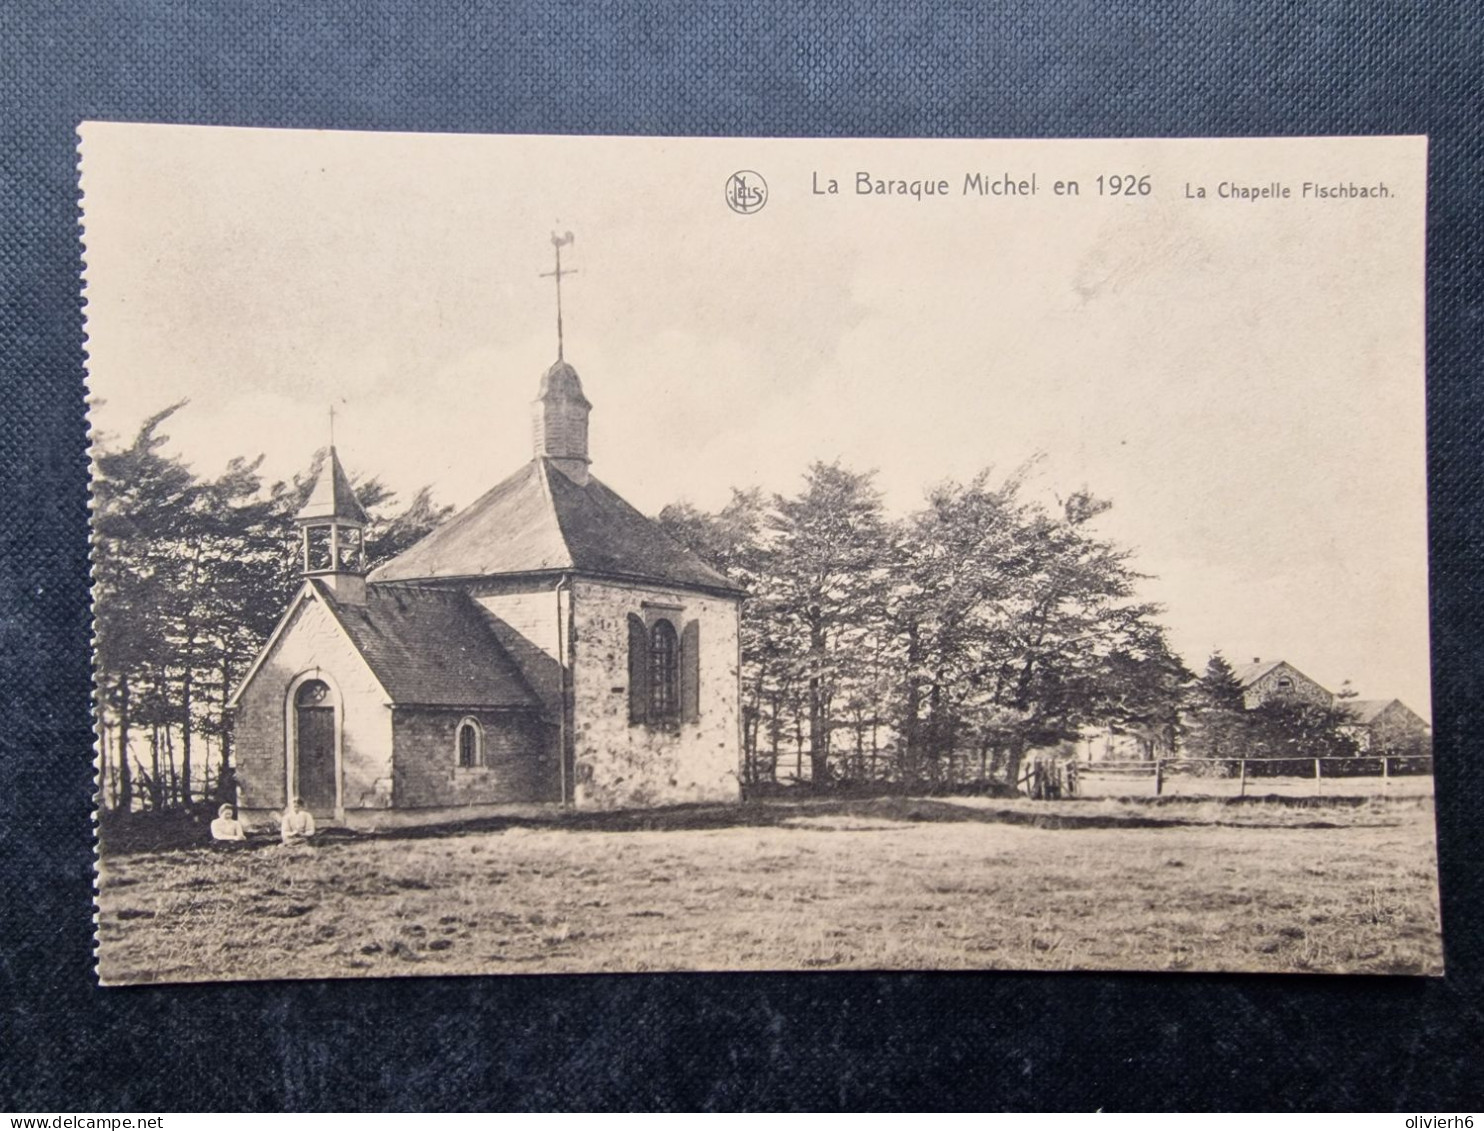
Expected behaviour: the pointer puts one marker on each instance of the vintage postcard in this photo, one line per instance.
(568, 554)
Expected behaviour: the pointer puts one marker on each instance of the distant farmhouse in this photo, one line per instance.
(1379, 724)
(1384, 724)
(548, 645)
(1277, 679)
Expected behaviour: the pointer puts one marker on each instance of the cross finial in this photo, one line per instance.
(332, 426)
(558, 242)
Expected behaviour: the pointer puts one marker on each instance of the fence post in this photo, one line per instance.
(1385, 770)
(1243, 763)
(1317, 775)
(1159, 776)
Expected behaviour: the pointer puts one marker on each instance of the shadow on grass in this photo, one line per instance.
(141, 833)
(122, 834)
(905, 810)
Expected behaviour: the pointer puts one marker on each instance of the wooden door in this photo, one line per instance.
(315, 750)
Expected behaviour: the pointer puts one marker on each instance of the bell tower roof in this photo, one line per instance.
(561, 382)
(333, 498)
(559, 421)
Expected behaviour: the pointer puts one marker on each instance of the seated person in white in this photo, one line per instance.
(297, 825)
(227, 827)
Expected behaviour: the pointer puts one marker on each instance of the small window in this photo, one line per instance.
(312, 693)
(470, 744)
(664, 671)
(1285, 684)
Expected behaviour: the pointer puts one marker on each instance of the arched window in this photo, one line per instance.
(664, 671)
(312, 693)
(470, 744)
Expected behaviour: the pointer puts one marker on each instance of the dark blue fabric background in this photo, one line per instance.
(932, 68)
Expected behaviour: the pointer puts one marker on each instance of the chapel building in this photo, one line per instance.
(547, 646)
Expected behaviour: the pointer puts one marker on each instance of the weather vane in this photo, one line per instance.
(558, 242)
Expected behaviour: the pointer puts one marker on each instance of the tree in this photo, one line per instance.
(248, 573)
(1216, 713)
(191, 575)
(139, 496)
(981, 624)
(1298, 728)
(830, 545)
(730, 541)
(1071, 604)
(958, 564)
(1143, 687)
(391, 532)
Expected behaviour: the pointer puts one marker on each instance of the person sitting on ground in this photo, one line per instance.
(297, 825)
(226, 827)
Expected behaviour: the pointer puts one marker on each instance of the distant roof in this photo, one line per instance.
(1248, 674)
(538, 520)
(433, 647)
(332, 495)
(1364, 710)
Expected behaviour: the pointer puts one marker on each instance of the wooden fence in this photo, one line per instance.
(1391, 774)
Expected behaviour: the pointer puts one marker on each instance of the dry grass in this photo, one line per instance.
(886, 884)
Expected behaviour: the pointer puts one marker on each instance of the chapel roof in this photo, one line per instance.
(332, 496)
(538, 521)
(431, 647)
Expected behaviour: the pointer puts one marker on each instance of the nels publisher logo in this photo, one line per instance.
(747, 192)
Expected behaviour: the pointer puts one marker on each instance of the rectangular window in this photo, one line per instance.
(317, 548)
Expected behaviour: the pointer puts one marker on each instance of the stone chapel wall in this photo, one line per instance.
(313, 643)
(524, 618)
(519, 759)
(618, 764)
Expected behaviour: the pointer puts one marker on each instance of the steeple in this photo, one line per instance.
(332, 528)
(560, 420)
(561, 411)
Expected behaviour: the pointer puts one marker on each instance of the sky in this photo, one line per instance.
(1242, 377)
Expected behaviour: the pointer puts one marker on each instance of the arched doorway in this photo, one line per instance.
(314, 746)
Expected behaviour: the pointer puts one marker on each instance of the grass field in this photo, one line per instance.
(1340, 886)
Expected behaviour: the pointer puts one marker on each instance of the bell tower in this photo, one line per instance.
(560, 421)
(332, 533)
